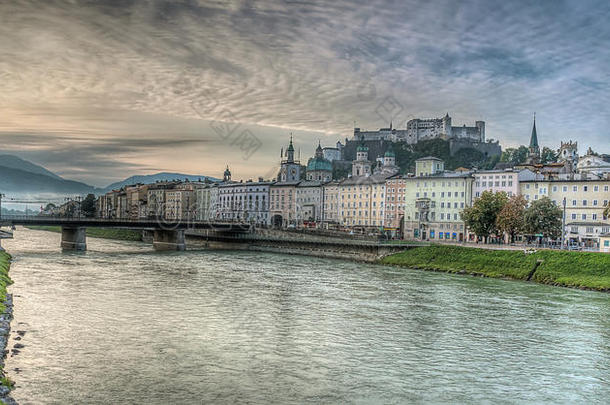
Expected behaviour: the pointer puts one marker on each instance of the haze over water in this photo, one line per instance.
(123, 324)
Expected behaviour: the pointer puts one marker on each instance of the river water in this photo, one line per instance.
(123, 324)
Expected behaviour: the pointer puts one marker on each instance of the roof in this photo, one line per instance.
(285, 183)
(310, 183)
(319, 164)
(429, 158)
(445, 175)
(534, 137)
(373, 179)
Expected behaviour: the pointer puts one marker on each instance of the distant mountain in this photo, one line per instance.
(14, 162)
(152, 178)
(19, 177)
(16, 181)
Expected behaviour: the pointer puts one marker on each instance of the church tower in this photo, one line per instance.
(361, 166)
(226, 177)
(534, 149)
(290, 169)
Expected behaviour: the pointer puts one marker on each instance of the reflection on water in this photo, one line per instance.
(121, 323)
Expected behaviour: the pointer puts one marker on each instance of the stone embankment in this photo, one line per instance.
(348, 247)
(6, 315)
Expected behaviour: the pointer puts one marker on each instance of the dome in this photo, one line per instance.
(389, 153)
(319, 164)
(362, 148)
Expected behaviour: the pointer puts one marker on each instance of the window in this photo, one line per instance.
(575, 189)
(574, 216)
(584, 217)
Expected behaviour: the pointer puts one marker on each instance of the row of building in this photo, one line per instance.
(426, 205)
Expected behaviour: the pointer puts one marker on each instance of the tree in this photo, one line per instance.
(49, 207)
(607, 210)
(515, 156)
(87, 206)
(548, 155)
(543, 217)
(481, 217)
(511, 219)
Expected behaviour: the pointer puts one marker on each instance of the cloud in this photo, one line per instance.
(102, 78)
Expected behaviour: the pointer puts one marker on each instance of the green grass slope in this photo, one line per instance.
(570, 269)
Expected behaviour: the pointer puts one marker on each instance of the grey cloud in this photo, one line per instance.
(110, 68)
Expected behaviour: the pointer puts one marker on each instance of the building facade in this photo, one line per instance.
(331, 199)
(395, 201)
(434, 204)
(282, 203)
(585, 200)
(309, 202)
(362, 201)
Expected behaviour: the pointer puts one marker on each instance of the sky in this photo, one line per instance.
(100, 90)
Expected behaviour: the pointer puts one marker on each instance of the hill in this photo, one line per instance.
(16, 181)
(152, 178)
(14, 162)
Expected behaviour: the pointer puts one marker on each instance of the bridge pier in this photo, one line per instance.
(73, 238)
(168, 240)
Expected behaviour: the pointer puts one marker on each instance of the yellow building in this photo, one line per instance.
(585, 200)
(282, 203)
(362, 201)
(331, 202)
(434, 204)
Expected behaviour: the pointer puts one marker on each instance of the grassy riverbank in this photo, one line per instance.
(105, 233)
(569, 269)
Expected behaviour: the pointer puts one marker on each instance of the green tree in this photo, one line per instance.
(543, 217)
(515, 156)
(607, 210)
(481, 217)
(49, 207)
(548, 155)
(511, 218)
(87, 206)
(467, 157)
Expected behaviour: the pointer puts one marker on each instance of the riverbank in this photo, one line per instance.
(567, 269)
(6, 315)
(104, 233)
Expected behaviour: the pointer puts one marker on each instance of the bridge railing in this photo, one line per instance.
(161, 221)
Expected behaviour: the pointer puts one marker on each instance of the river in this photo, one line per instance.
(123, 324)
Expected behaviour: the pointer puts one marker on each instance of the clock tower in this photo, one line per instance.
(290, 169)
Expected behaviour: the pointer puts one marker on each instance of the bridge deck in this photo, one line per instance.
(148, 224)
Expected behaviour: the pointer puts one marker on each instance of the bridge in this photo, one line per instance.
(168, 234)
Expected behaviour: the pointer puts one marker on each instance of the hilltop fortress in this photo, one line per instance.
(422, 129)
(426, 129)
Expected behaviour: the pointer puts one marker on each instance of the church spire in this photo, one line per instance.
(534, 137)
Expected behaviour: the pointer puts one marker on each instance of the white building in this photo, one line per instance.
(500, 181)
(244, 201)
(309, 201)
